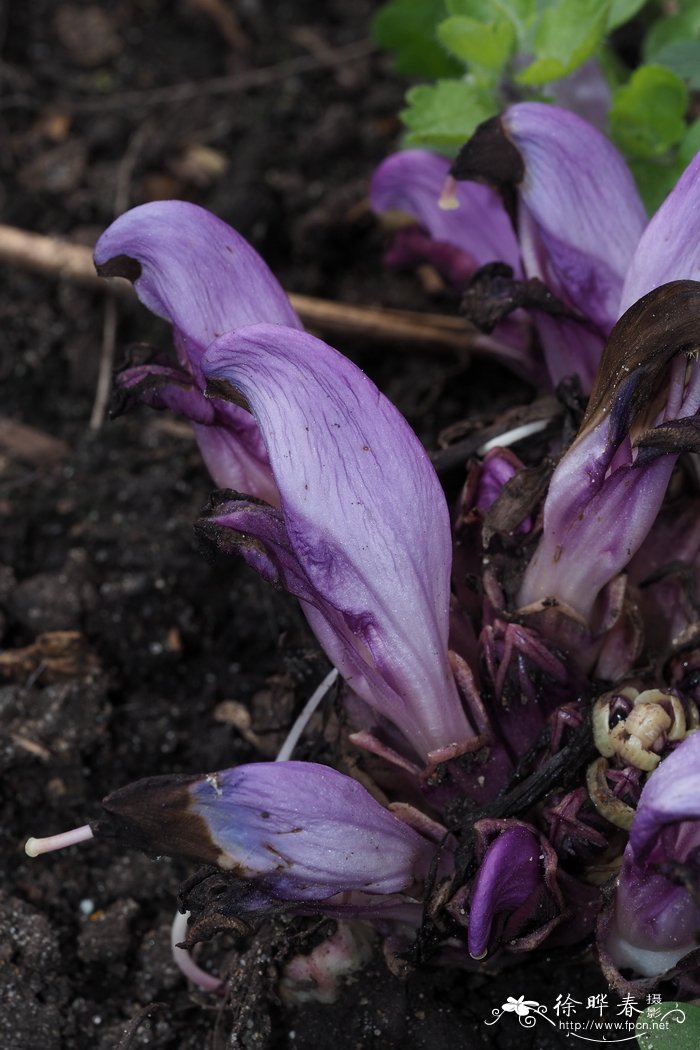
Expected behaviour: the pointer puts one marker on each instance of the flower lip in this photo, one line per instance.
(120, 266)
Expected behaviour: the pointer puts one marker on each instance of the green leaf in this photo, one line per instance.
(682, 57)
(690, 145)
(647, 115)
(655, 179)
(484, 10)
(670, 28)
(489, 45)
(407, 28)
(443, 116)
(682, 1033)
(622, 10)
(568, 33)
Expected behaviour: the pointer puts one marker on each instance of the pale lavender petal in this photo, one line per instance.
(580, 214)
(656, 918)
(194, 270)
(669, 249)
(412, 181)
(303, 831)
(364, 513)
(586, 92)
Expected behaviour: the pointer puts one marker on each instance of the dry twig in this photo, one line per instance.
(409, 328)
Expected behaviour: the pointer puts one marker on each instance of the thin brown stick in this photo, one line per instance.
(250, 78)
(55, 258)
(104, 376)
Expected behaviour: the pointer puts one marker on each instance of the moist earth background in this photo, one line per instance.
(97, 526)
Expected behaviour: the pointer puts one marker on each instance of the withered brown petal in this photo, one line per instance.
(155, 815)
(660, 326)
(489, 156)
(677, 435)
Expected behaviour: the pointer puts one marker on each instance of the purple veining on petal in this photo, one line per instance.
(580, 214)
(365, 518)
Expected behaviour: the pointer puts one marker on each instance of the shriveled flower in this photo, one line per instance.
(609, 486)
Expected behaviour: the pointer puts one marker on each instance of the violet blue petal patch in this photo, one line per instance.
(669, 249)
(580, 214)
(411, 181)
(364, 513)
(303, 831)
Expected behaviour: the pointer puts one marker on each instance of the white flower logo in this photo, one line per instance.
(520, 1006)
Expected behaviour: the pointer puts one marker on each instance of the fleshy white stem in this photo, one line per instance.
(184, 961)
(33, 847)
(285, 752)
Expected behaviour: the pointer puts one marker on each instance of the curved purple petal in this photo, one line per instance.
(190, 268)
(303, 831)
(669, 249)
(509, 876)
(580, 214)
(365, 517)
(193, 270)
(605, 494)
(411, 181)
(657, 917)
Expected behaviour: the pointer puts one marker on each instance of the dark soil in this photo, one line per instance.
(98, 539)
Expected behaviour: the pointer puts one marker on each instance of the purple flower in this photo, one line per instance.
(606, 493)
(363, 534)
(299, 831)
(581, 225)
(411, 182)
(192, 269)
(657, 903)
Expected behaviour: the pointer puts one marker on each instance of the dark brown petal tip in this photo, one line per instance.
(489, 156)
(222, 390)
(120, 266)
(155, 815)
(662, 325)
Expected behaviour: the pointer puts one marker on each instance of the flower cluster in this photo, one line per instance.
(524, 677)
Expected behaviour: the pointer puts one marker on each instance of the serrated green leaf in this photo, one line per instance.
(443, 116)
(568, 33)
(407, 28)
(489, 45)
(647, 115)
(682, 57)
(682, 1033)
(622, 10)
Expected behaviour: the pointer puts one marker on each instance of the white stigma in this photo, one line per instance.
(34, 847)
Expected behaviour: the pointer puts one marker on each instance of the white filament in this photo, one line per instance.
(287, 749)
(34, 847)
(510, 437)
